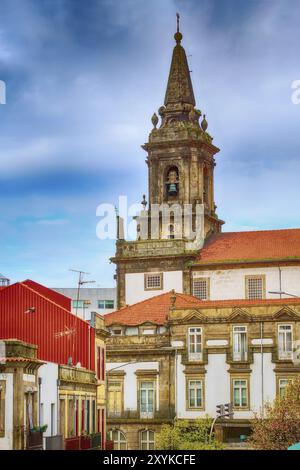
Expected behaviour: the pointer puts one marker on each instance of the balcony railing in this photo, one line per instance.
(240, 356)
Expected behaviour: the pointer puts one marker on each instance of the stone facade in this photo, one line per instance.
(18, 392)
(218, 364)
(181, 161)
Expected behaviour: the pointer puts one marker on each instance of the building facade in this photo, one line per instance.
(70, 352)
(205, 317)
(99, 300)
(177, 356)
(193, 256)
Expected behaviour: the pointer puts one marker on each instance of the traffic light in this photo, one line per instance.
(228, 410)
(220, 411)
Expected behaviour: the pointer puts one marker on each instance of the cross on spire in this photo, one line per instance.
(178, 20)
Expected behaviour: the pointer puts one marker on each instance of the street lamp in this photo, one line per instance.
(283, 293)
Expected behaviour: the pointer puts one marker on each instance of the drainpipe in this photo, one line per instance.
(262, 367)
(89, 347)
(280, 282)
(40, 390)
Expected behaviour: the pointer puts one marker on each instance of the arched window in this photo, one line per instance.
(171, 233)
(147, 440)
(119, 439)
(172, 182)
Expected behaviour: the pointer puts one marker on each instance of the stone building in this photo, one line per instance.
(19, 401)
(193, 256)
(205, 317)
(177, 356)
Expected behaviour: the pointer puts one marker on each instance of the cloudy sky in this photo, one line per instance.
(83, 80)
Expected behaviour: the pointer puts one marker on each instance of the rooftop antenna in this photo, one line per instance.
(81, 282)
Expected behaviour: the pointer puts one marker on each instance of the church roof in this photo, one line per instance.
(236, 247)
(180, 88)
(155, 310)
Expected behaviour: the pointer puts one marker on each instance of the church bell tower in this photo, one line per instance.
(181, 162)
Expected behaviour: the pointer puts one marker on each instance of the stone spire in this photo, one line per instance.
(180, 88)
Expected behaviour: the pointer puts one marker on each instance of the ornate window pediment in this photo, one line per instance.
(239, 315)
(196, 316)
(286, 314)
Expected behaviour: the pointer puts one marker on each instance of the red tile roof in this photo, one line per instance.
(156, 309)
(153, 310)
(233, 247)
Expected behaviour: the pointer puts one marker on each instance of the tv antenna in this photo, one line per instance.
(81, 282)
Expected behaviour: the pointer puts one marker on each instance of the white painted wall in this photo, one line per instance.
(6, 442)
(269, 381)
(230, 283)
(49, 375)
(130, 381)
(217, 386)
(135, 286)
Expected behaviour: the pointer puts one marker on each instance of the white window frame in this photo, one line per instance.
(147, 413)
(240, 387)
(281, 388)
(285, 353)
(194, 347)
(120, 440)
(237, 353)
(195, 388)
(147, 442)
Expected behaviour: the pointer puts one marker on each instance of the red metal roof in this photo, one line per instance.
(27, 315)
(236, 247)
(156, 309)
(56, 297)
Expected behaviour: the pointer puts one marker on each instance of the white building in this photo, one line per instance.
(91, 299)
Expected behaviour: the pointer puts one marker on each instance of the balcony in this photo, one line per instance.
(239, 357)
(75, 375)
(195, 358)
(281, 355)
(148, 248)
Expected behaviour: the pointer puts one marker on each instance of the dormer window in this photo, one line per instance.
(172, 182)
(116, 331)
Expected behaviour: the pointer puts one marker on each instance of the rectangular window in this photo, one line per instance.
(79, 303)
(100, 363)
(240, 343)
(93, 416)
(195, 344)
(195, 394)
(201, 288)
(285, 341)
(147, 440)
(255, 287)
(114, 399)
(116, 331)
(147, 399)
(154, 281)
(240, 393)
(282, 383)
(87, 414)
(106, 304)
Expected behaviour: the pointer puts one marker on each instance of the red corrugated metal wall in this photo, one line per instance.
(57, 333)
(51, 294)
